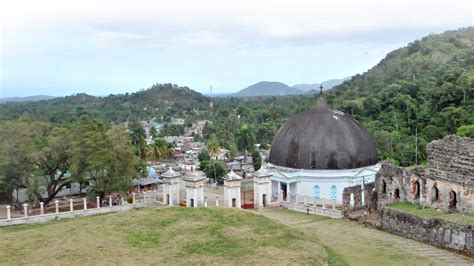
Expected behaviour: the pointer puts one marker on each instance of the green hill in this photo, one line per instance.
(159, 100)
(425, 88)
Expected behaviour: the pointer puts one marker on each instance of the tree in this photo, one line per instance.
(245, 139)
(465, 131)
(214, 148)
(103, 155)
(215, 171)
(159, 150)
(256, 159)
(204, 159)
(138, 136)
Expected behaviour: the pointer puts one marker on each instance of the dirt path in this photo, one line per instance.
(358, 245)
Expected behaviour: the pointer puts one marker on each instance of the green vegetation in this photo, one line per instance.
(430, 213)
(43, 157)
(175, 236)
(466, 131)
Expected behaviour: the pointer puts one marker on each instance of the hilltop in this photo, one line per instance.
(158, 100)
(34, 98)
(314, 88)
(267, 88)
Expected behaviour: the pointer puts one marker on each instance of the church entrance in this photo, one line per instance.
(284, 190)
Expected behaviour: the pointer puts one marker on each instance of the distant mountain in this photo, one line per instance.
(26, 99)
(267, 88)
(327, 85)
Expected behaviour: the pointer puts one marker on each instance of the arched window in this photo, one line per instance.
(434, 194)
(397, 194)
(452, 200)
(384, 187)
(317, 192)
(416, 188)
(333, 192)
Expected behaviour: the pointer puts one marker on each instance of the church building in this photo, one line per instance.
(318, 153)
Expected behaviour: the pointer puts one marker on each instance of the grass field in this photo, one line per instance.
(429, 213)
(161, 236)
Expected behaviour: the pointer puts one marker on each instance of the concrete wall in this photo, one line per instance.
(459, 237)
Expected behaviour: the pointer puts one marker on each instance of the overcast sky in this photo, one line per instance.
(102, 47)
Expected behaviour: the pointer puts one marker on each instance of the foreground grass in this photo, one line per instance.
(429, 213)
(161, 236)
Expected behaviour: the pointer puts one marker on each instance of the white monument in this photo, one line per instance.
(194, 189)
(171, 187)
(232, 183)
(262, 188)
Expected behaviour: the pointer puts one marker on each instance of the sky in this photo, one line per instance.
(102, 47)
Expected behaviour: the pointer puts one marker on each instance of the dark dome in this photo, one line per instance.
(321, 138)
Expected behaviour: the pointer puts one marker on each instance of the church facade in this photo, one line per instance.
(318, 153)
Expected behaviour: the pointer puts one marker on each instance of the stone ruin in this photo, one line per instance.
(446, 184)
(452, 154)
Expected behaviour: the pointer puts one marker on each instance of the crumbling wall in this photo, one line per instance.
(433, 188)
(370, 198)
(455, 236)
(452, 153)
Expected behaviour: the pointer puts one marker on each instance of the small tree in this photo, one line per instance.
(245, 139)
(215, 171)
(256, 159)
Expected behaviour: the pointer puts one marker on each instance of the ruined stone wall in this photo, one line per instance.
(370, 198)
(459, 237)
(428, 187)
(452, 153)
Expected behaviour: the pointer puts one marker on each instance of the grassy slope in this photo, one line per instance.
(165, 235)
(429, 213)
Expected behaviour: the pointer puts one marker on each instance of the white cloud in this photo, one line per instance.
(216, 22)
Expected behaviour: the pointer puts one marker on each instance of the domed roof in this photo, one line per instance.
(321, 138)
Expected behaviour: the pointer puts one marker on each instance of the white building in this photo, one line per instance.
(319, 152)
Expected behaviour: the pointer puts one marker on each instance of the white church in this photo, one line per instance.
(318, 153)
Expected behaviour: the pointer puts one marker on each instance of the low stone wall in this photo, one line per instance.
(458, 237)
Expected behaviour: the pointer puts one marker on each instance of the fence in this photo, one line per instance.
(86, 209)
(311, 205)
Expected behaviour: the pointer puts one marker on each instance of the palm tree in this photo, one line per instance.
(159, 150)
(245, 139)
(214, 148)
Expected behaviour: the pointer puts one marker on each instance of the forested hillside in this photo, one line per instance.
(425, 88)
(159, 100)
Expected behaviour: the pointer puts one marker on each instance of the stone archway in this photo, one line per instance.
(434, 194)
(452, 200)
(396, 194)
(416, 189)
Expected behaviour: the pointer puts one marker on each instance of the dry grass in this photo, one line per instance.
(161, 236)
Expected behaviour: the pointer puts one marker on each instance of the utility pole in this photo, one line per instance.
(416, 145)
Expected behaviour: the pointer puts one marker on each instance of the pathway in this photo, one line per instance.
(360, 245)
